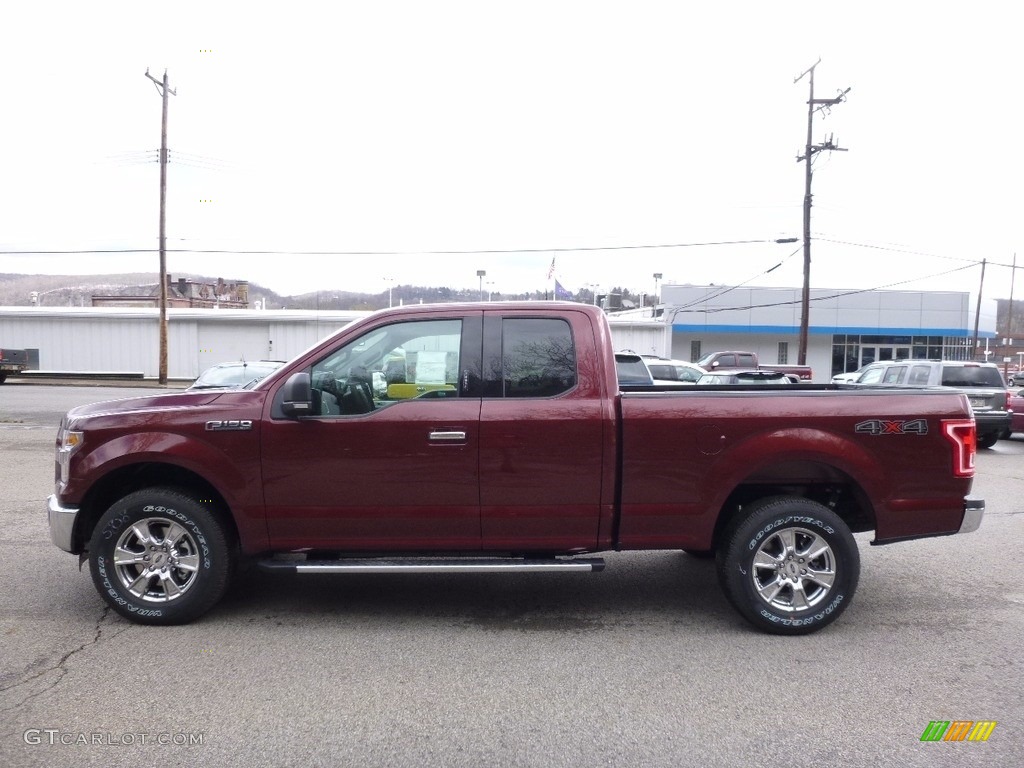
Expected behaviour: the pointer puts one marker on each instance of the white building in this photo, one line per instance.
(846, 329)
(127, 340)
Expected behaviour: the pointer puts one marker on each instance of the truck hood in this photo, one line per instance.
(163, 402)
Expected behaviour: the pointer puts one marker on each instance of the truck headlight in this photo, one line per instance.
(68, 441)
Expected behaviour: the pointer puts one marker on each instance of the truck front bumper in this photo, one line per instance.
(62, 524)
(974, 510)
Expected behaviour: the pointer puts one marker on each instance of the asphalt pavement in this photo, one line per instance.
(643, 664)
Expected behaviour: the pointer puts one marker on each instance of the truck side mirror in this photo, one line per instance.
(715, 365)
(297, 396)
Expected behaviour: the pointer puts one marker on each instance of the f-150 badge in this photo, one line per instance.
(232, 425)
(895, 427)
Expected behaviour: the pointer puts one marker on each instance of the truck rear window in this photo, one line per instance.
(971, 376)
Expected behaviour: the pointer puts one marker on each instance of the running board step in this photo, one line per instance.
(432, 565)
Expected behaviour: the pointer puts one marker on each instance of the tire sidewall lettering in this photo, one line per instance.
(117, 524)
(782, 522)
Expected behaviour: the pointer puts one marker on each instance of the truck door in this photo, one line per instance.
(390, 459)
(541, 433)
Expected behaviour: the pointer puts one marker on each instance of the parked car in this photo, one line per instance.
(674, 370)
(1017, 379)
(632, 370)
(745, 377)
(635, 370)
(1016, 405)
(235, 375)
(849, 377)
(981, 382)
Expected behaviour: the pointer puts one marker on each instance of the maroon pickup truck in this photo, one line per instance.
(740, 361)
(496, 437)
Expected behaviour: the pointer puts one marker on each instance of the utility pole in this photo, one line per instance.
(163, 90)
(813, 105)
(977, 314)
(1009, 310)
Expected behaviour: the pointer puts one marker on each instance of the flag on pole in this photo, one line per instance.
(561, 293)
(551, 269)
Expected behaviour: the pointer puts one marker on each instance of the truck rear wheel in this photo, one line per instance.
(790, 566)
(159, 557)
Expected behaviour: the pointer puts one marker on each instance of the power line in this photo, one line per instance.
(725, 290)
(581, 249)
(900, 250)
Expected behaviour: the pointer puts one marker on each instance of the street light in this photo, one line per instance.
(481, 274)
(654, 308)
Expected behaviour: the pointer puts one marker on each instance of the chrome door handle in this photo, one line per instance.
(447, 437)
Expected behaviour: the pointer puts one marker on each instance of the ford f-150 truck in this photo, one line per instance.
(496, 437)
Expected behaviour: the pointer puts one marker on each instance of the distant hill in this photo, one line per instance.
(77, 291)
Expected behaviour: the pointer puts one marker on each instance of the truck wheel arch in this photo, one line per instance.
(130, 478)
(817, 480)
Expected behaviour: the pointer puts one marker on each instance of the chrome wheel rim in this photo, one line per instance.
(793, 570)
(156, 560)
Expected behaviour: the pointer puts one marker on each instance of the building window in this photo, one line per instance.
(694, 351)
(783, 352)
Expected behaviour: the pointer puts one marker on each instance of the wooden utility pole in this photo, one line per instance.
(977, 314)
(163, 90)
(813, 105)
(1009, 311)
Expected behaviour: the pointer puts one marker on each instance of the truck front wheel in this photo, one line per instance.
(790, 566)
(159, 557)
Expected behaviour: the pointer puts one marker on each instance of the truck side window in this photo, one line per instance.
(871, 375)
(919, 374)
(894, 375)
(417, 359)
(538, 357)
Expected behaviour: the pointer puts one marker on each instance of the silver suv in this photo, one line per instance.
(981, 382)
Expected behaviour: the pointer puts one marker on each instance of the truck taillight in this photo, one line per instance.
(963, 434)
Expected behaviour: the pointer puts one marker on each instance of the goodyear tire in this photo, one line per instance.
(790, 566)
(159, 557)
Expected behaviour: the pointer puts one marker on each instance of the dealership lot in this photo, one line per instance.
(642, 664)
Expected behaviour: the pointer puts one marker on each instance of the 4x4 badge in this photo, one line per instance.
(894, 427)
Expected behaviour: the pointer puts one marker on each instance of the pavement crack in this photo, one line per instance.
(60, 667)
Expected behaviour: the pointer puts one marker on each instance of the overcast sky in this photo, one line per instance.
(425, 127)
